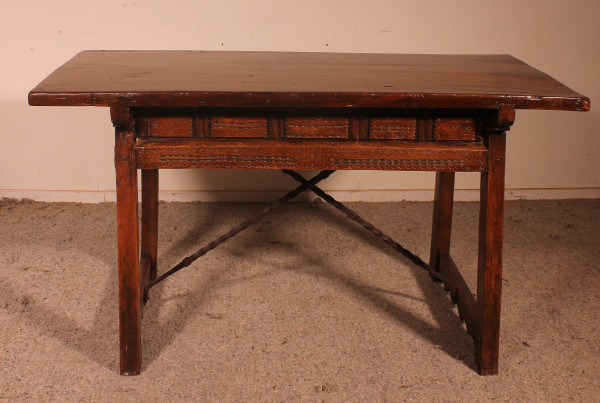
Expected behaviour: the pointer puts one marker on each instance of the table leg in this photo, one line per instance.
(130, 287)
(150, 221)
(442, 218)
(489, 278)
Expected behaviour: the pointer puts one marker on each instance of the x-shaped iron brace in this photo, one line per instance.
(306, 185)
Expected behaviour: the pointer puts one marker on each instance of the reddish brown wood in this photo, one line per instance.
(309, 154)
(274, 125)
(169, 126)
(238, 126)
(283, 79)
(491, 228)
(442, 218)
(468, 308)
(425, 128)
(317, 127)
(359, 126)
(392, 128)
(201, 124)
(130, 286)
(150, 221)
(454, 129)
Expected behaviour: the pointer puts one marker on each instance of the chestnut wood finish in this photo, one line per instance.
(274, 110)
(489, 277)
(300, 80)
(130, 279)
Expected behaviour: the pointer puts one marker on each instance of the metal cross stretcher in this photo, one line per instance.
(304, 186)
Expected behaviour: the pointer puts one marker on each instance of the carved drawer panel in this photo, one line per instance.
(316, 127)
(337, 124)
(169, 126)
(392, 128)
(238, 126)
(462, 129)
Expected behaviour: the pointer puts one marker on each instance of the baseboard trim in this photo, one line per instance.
(370, 195)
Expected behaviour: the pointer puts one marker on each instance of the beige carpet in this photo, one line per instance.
(304, 306)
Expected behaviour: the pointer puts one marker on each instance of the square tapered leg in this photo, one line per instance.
(130, 288)
(489, 277)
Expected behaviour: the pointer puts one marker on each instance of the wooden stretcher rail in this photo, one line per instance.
(145, 263)
(310, 154)
(468, 308)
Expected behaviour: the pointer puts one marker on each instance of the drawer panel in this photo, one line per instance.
(354, 125)
(169, 126)
(316, 127)
(392, 128)
(461, 129)
(238, 126)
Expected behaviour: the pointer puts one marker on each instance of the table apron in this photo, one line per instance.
(310, 154)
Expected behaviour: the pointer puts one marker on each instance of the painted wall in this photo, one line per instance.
(66, 153)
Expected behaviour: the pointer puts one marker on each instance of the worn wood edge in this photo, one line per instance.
(122, 118)
(307, 99)
(468, 308)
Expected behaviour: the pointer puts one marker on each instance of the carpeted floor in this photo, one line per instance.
(305, 305)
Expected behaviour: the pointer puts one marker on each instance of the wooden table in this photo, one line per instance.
(324, 111)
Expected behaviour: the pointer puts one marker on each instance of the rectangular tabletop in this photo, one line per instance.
(286, 79)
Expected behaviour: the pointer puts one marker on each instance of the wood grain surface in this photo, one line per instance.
(284, 79)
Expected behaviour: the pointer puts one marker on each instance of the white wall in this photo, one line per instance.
(66, 153)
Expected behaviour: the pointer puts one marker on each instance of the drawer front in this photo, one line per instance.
(343, 125)
(169, 126)
(392, 128)
(458, 129)
(316, 127)
(238, 126)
